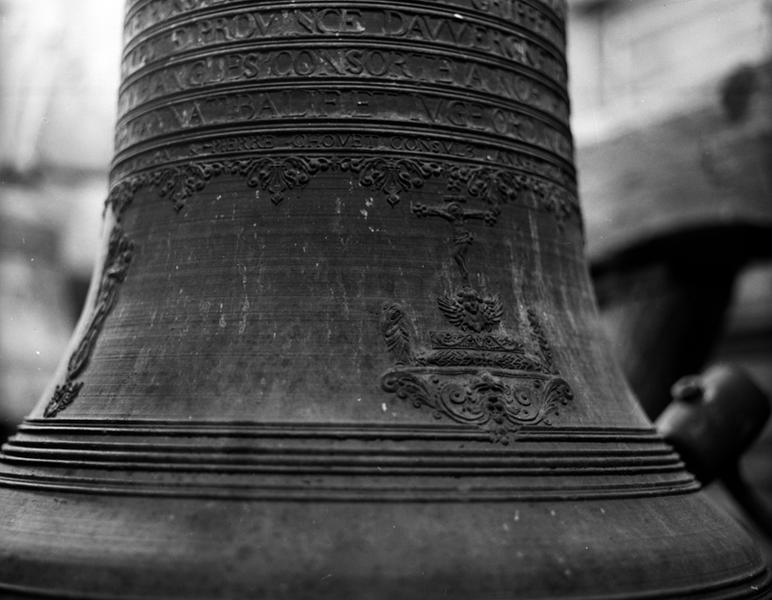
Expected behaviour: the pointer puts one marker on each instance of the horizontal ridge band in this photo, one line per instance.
(338, 461)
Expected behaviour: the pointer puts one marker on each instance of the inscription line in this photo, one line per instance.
(438, 49)
(388, 128)
(482, 144)
(347, 86)
(417, 48)
(370, 125)
(158, 38)
(555, 43)
(545, 10)
(335, 151)
(443, 58)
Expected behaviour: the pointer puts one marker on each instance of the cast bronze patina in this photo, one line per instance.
(342, 343)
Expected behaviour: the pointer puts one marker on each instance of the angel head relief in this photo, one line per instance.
(469, 311)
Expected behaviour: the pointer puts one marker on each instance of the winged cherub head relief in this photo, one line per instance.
(469, 311)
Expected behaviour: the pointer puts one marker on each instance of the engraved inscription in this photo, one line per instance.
(267, 106)
(353, 142)
(354, 63)
(149, 13)
(517, 12)
(265, 24)
(114, 272)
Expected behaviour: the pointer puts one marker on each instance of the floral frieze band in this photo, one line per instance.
(392, 177)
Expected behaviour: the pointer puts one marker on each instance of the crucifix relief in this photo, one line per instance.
(454, 211)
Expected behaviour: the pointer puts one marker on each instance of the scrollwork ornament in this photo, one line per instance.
(388, 175)
(391, 176)
(475, 374)
(498, 186)
(280, 175)
(493, 185)
(180, 182)
(558, 394)
(122, 194)
(500, 404)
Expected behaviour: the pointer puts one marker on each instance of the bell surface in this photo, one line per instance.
(341, 342)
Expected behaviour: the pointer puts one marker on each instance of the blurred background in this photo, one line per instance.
(672, 116)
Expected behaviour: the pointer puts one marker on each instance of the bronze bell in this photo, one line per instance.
(341, 342)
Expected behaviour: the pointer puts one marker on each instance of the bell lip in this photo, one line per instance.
(719, 569)
(755, 586)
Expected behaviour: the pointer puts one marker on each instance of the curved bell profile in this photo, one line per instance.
(341, 342)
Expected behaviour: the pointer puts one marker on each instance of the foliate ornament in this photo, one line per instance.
(63, 396)
(492, 184)
(396, 332)
(477, 373)
(498, 186)
(498, 402)
(122, 194)
(279, 175)
(391, 176)
(178, 183)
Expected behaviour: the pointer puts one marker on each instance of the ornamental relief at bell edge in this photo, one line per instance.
(116, 266)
